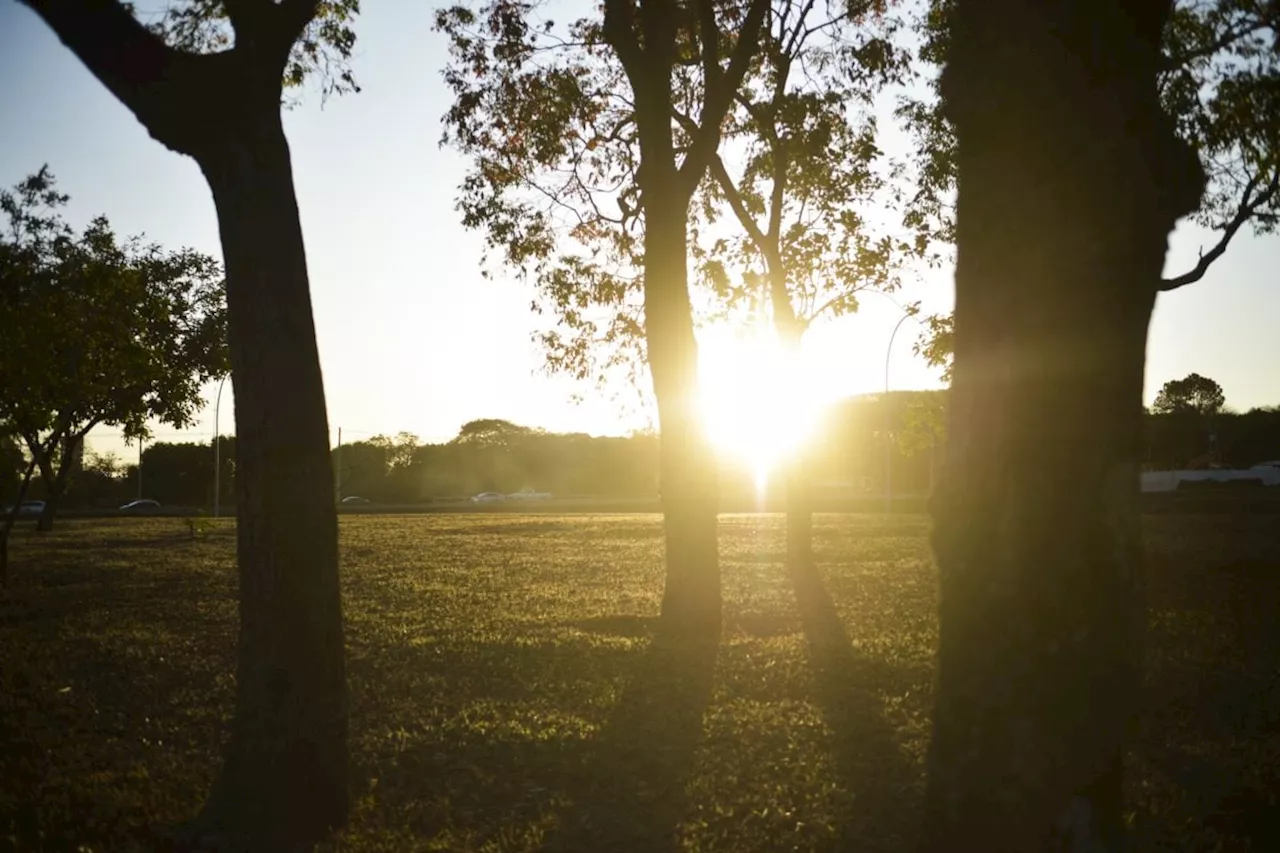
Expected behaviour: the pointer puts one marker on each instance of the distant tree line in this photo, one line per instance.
(1184, 430)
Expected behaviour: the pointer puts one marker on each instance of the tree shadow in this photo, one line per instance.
(631, 796)
(882, 783)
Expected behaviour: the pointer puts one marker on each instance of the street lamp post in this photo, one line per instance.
(888, 417)
(217, 451)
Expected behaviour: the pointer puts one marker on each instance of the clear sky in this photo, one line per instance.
(411, 336)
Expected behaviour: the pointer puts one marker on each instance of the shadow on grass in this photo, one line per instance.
(881, 782)
(1213, 685)
(631, 796)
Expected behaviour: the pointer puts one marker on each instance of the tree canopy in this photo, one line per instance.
(1192, 394)
(96, 330)
(1220, 81)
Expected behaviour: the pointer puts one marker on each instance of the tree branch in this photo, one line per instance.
(125, 56)
(719, 95)
(619, 30)
(1228, 37)
(1248, 207)
(709, 35)
(738, 205)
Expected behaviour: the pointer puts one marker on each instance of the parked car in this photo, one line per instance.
(489, 497)
(26, 509)
(354, 499)
(141, 505)
(529, 495)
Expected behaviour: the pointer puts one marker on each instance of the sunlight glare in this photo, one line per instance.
(759, 402)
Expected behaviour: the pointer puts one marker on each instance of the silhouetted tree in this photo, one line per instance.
(800, 184)
(96, 332)
(491, 432)
(1194, 393)
(1217, 77)
(564, 125)
(1071, 177)
(207, 81)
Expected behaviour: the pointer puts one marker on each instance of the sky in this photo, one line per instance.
(411, 336)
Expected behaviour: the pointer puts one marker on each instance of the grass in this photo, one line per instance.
(507, 696)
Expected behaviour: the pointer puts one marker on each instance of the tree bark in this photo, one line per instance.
(1070, 179)
(689, 481)
(284, 780)
(285, 776)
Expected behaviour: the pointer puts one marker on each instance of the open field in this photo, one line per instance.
(506, 695)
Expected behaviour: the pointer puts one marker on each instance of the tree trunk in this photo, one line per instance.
(56, 480)
(284, 782)
(691, 599)
(1070, 181)
(11, 518)
(44, 523)
(799, 514)
(790, 331)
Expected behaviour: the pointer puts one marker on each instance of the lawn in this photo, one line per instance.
(506, 695)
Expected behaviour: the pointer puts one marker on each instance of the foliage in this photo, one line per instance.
(547, 115)
(936, 342)
(492, 432)
(96, 331)
(322, 53)
(1193, 394)
(533, 636)
(801, 169)
(1220, 82)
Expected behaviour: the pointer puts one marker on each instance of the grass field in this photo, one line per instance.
(506, 695)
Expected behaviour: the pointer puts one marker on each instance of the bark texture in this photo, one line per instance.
(285, 774)
(284, 780)
(1070, 180)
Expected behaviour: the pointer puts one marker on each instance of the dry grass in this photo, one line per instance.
(506, 695)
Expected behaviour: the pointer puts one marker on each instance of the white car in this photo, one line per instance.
(488, 497)
(529, 495)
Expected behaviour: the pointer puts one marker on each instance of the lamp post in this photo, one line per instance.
(888, 416)
(217, 451)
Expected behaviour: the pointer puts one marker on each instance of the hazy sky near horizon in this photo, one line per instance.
(411, 336)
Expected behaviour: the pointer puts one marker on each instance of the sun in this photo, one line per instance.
(759, 403)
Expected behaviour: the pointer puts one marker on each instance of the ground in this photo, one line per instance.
(506, 695)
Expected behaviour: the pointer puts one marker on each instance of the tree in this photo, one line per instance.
(492, 432)
(19, 471)
(207, 81)
(564, 125)
(1192, 394)
(1071, 177)
(1219, 76)
(805, 176)
(99, 332)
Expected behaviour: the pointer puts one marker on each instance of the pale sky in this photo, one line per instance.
(411, 336)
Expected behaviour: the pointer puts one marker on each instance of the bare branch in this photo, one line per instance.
(736, 202)
(1246, 211)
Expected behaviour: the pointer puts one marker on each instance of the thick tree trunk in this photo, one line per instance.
(691, 599)
(284, 782)
(1070, 180)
